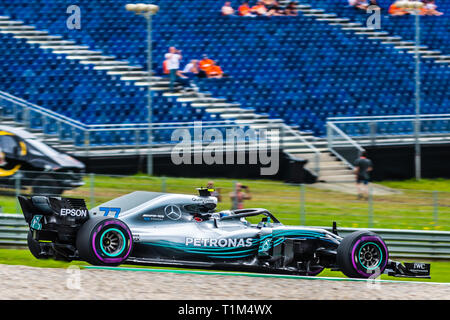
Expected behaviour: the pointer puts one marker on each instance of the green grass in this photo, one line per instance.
(440, 185)
(412, 208)
(25, 258)
(439, 269)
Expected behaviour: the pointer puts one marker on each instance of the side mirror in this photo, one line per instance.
(215, 216)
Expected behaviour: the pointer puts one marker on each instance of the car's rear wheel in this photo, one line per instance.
(104, 241)
(362, 254)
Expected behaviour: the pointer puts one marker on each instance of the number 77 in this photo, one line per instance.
(106, 210)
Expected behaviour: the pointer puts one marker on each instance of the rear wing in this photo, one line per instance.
(64, 208)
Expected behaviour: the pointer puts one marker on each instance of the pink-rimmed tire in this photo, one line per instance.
(104, 241)
(362, 254)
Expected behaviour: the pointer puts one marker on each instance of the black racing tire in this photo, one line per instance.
(45, 185)
(104, 241)
(362, 254)
(34, 247)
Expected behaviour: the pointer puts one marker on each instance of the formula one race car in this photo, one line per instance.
(182, 230)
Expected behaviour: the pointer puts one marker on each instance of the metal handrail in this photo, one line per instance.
(286, 128)
(40, 110)
(97, 127)
(412, 116)
(346, 137)
(332, 126)
(88, 129)
(372, 123)
(385, 120)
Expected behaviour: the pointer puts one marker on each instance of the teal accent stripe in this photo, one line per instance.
(258, 275)
(227, 251)
(209, 250)
(230, 257)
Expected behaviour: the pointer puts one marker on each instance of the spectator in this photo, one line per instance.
(273, 8)
(259, 9)
(238, 196)
(394, 10)
(430, 9)
(204, 65)
(359, 4)
(173, 58)
(214, 71)
(227, 9)
(216, 192)
(165, 70)
(374, 5)
(291, 9)
(245, 10)
(363, 166)
(191, 69)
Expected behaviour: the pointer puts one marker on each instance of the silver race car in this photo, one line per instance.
(183, 230)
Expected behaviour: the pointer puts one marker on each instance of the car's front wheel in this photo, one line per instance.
(104, 241)
(362, 254)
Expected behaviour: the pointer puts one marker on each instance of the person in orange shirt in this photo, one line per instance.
(244, 10)
(214, 71)
(396, 11)
(259, 9)
(165, 70)
(205, 63)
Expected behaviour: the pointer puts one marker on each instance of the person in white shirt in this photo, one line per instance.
(191, 69)
(431, 9)
(227, 9)
(173, 58)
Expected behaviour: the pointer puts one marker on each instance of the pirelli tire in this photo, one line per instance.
(362, 254)
(104, 241)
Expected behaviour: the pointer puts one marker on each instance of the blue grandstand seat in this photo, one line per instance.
(296, 68)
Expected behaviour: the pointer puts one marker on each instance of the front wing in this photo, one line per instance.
(408, 270)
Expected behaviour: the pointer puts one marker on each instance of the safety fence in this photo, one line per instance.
(390, 129)
(347, 136)
(138, 138)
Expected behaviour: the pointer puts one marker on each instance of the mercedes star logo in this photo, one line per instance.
(172, 212)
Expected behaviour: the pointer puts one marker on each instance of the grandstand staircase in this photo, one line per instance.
(377, 35)
(297, 144)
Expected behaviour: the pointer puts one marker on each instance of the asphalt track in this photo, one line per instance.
(94, 283)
